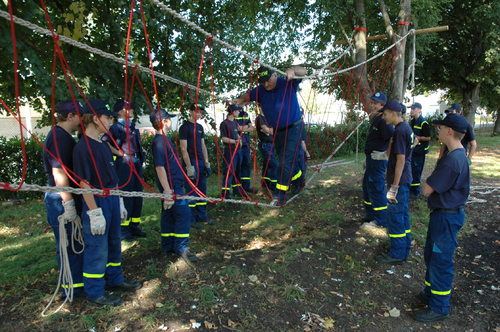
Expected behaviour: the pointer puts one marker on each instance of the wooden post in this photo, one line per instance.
(417, 32)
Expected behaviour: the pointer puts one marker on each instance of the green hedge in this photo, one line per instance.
(11, 166)
(321, 141)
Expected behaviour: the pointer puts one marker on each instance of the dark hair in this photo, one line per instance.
(61, 117)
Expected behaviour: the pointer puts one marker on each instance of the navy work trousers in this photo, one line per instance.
(53, 203)
(399, 224)
(417, 166)
(102, 257)
(175, 224)
(374, 193)
(198, 208)
(440, 247)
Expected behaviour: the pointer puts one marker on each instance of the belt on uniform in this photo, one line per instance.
(291, 125)
(448, 210)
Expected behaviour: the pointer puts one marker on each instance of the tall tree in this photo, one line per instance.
(465, 60)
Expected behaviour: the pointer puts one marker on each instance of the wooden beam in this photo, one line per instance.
(417, 32)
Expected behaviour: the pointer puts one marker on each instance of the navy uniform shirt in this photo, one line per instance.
(243, 119)
(104, 168)
(165, 155)
(379, 135)
(402, 141)
(187, 132)
(280, 105)
(468, 137)
(261, 120)
(421, 127)
(132, 146)
(450, 181)
(229, 129)
(62, 154)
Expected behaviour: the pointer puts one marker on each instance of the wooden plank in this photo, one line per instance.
(417, 32)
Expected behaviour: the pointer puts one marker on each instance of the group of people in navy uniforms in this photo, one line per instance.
(395, 156)
(110, 155)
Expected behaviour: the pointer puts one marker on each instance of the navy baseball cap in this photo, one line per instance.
(194, 107)
(403, 108)
(122, 104)
(455, 121)
(68, 106)
(99, 107)
(416, 105)
(159, 115)
(232, 108)
(392, 105)
(264, 74)
(454, 107)
(379, 97)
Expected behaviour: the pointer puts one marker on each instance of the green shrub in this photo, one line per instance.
(321, 141)
(11, 166)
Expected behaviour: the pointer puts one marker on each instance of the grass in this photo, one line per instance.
(280, 238)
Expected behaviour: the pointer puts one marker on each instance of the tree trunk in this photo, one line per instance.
(360, 56)
(399, 67)
(496, 128)
(470, 103)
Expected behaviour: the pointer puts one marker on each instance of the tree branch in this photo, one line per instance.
(387, 19)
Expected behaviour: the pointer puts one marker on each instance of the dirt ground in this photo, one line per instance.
(310, 281)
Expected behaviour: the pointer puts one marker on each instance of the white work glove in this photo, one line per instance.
(190, 171)
(123, 211)
(392, 193)
(169, 202)
(69, 213)
(379, 155)
(97, 221)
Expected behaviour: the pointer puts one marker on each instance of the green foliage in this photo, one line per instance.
(11, 165)
(466, 55)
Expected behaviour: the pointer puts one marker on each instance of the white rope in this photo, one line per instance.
(333, 61)
(361, 63)
(231, 47)
(36, 187)
(65, 276)
(208, 34)
(323, 165)
(101, 53)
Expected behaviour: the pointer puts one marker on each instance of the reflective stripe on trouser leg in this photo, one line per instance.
(175, 225)
(102, 249)
(198, 208)
(396, 225)
(287, 147)
(443, 229)
(229, 171)
(366, 198)
(417, 166)
(269, 165)
(375, 187)
(244, 170)
(53, 204)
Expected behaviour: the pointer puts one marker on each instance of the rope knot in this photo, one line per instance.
(106, 192)
(256, 60)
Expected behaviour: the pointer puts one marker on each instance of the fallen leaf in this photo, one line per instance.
(329, 323)
(209, 325)
(253, 278)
